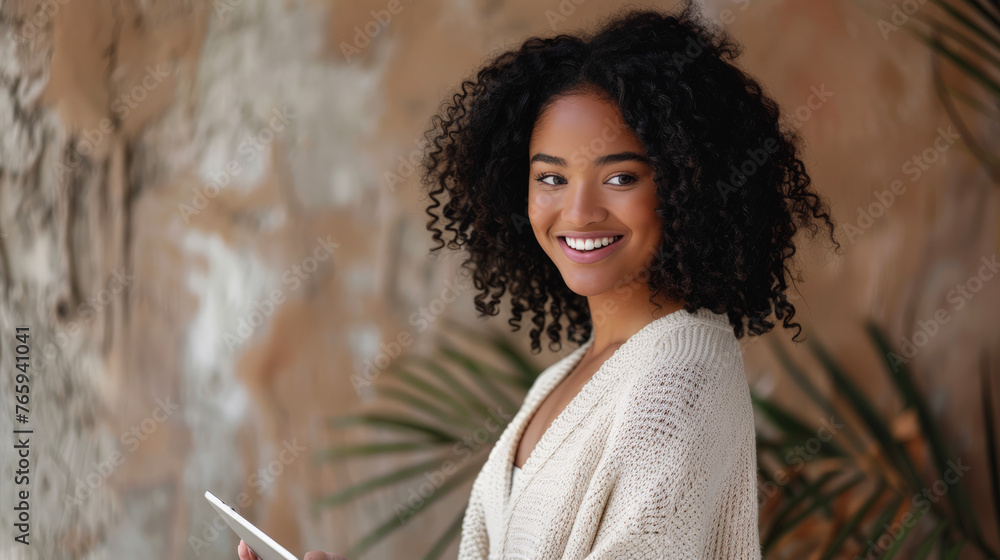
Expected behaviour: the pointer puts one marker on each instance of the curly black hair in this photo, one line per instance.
(738, 189)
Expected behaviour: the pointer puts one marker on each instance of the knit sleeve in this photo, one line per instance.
(474, 541)
(683, 449)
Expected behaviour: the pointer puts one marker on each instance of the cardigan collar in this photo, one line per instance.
(577, 409)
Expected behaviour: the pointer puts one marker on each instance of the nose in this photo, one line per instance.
(583, 204)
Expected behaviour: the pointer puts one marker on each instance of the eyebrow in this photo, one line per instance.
(602, 160)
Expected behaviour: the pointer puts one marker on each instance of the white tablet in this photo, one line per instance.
(262, 545)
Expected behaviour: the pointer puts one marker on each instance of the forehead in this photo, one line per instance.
(582, 121)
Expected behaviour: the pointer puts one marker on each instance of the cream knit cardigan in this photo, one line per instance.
(655, 457)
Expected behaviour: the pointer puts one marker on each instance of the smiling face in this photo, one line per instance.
(591, 183)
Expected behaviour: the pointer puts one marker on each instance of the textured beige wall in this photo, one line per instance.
(136, 276)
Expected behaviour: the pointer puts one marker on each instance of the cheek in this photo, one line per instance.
(534, 218)
(538, 204)
(644, 210)
(639, 215)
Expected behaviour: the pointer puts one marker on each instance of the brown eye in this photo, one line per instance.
(631, 178)
(542, 179)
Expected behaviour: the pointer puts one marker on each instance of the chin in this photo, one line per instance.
(588, 287)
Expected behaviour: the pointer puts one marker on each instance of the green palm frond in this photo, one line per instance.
(959, 498)
(885, 516)
(966, 34)
(396, 521)
(853, 523)
(805, 511)
(447, 397)
(989, 422)
(863, 408)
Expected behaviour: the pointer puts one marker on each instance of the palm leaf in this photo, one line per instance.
(511, 380)
(983, 155)
(984, 12)
(524, 369)
(925, 548)
(955, 550)
(453, 530)
(800, 505)
(431, 386)
(439, 395)
(860, 404)
(876, 529)
(427, 407)
(457, 387)
(968, 65)
(977, 104)
(897, 543)
(379, 482)
(342, 451)
(810, 490)
(802, 380)
(478, 375)
(991, 434)
(853, 522)
(796, 430)
(912, 398)
(979, 64)
(394, 523)
(969, 24)
(390, 422)
(821, 501)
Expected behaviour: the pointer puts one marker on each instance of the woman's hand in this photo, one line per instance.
(245, 554)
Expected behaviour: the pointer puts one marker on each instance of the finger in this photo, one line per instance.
(245, 552)
(320, 555)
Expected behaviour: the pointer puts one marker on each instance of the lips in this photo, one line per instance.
(588, 257)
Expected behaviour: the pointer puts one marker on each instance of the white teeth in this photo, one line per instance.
(590, 244)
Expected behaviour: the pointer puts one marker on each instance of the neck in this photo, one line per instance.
(617, 315)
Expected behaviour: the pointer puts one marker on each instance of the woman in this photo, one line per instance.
(640, 185)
